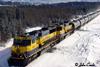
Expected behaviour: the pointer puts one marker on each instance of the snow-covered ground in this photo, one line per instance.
(81, 47)
(5, 53)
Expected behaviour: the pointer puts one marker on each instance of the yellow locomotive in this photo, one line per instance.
(29, 46)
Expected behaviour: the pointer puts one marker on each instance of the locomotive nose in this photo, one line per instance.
(18, 51)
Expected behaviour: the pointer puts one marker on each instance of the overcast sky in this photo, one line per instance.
(50, 1)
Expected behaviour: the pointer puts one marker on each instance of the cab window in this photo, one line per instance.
(52, 30)
(19, 42)
(59, 28)
(44, 31)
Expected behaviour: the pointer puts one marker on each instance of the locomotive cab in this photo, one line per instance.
(20, 44)
(23, 47)
(26, 44)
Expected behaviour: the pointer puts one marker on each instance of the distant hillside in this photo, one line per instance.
(16, 17)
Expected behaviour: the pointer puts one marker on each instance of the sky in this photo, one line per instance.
(49, 1)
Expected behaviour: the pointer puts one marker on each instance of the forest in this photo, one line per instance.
(14, 19)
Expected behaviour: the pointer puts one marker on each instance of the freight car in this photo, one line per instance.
(27, 47)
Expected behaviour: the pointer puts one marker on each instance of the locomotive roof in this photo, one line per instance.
(32, 33)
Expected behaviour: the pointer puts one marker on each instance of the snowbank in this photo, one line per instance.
(5, 53)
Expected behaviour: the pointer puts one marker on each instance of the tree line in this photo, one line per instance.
(15, 19)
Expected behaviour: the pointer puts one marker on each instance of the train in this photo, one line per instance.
(31, 45)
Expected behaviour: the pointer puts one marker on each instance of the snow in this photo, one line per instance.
(83, 46)
(6, 45)
(33, 29)
(5, 53)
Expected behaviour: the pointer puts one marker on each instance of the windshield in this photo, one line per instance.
(22, 42)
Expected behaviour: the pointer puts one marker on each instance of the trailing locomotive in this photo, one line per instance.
(27, 47)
